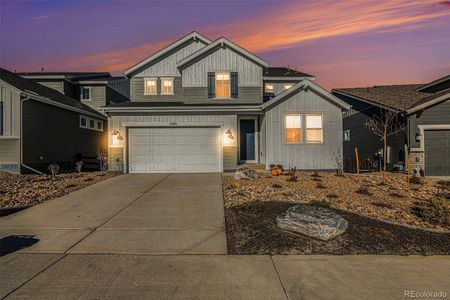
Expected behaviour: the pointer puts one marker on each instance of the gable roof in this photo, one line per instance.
(396, 97)
(306, 84)
(429, 86)
(46, 94)
(218, 43)
(193, 35)
(429, 101)
(65, 75)
(284, 72)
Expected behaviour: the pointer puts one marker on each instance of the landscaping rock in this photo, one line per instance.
(246, 173)
(318, 222)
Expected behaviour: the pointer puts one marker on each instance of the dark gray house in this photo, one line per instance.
(423, 108)
(205, 106)
(39, 125)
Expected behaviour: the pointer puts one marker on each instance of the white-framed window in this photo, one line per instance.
(314, 129)
(223, 85)
(268, 88)
(85, 93)
(347, 135)
(288, 86)
(150, 86)
(166, 86)
(293, 129)
(91, 123)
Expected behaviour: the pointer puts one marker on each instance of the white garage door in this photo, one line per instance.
(153, 150)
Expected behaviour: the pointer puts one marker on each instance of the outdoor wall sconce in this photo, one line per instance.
(117, 138)
(230, 134)
(418, 137)
(228, 138)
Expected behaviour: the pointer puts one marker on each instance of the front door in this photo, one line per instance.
(247, 137)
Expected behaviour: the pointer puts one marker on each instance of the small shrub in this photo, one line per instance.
(54, 169)
(277, 186)
(292, 177)
(436, 210)
(321, 186)
(332, 196)
(78, 166)
(415, 180)
(363, 190)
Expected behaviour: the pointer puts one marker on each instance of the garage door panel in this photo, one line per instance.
(161, 148)
(161, 139)
(437, 152)
(160, 131)
(184, 148)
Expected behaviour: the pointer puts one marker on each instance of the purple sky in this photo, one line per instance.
(344, 44)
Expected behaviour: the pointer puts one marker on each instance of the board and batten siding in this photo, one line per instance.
(246, 95)
(304, 156)
(137, 90)
(226, 121)
(10, 137)
(167, 66)
(436, 115)
(223, 59)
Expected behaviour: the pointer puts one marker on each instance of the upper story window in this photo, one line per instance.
(269, 88)
(91, 123)
(288, 86)
(347, 135)
(85, 93)
(223, 86)
(314, 130)
(166, 86)
(293, 129)
(150, 86)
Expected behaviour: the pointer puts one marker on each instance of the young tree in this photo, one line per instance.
(385, 124)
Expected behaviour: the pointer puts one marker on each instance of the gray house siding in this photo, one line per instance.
(56, 85)
(98, 96)
(436, 115)
(304, 156)
(278, 86)
(9, 138)
(52, 134)
(137, 90)
(246, 95)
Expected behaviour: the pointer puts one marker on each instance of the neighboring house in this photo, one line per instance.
(92, 88)
(39, 126)
(198, 106)
(423, 109)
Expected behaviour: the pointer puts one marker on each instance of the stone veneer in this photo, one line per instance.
(417, 159)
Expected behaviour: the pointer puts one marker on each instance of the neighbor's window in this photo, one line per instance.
(91, 124)
(314, 130)
(269, 88)
(166, 86)
(150, 86)
(83, 122)
(223, 85)
(293, 129)
(347, 135)
(85, 93)
(288, 86)
(100, 125)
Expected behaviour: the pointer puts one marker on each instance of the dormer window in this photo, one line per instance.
(288, 86)
(85, 93)
(150, 86)
(269, 88)
(223, 87)
(166, 86)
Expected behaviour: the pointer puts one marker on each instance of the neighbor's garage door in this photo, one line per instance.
(174, 150)
(437, 152)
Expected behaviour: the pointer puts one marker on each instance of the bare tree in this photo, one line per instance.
(383, 126)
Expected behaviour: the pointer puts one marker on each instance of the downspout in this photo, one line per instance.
(21, 138)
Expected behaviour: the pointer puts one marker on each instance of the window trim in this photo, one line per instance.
(229, 84)
(88, 120)
(301, 129)
(155, 79)
(306, 128)
(90, 93)
(162, 86)
(265, 88)
(348, 132)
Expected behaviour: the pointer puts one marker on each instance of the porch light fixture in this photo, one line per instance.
(418, 137)
(228, 138)
(116, 138)
(230, 134)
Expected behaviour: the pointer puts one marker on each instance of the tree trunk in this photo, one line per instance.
(384, 157)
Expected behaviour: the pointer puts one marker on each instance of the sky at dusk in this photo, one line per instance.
(342, 43)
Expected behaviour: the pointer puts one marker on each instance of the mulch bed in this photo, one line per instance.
(252, 229)
(28, 190)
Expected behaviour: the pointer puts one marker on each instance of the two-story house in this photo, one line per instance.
(198, 106)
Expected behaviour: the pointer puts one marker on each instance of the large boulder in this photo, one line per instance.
(246, 173)
(318, 222)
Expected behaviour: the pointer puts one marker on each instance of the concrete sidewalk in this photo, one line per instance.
(96, 276)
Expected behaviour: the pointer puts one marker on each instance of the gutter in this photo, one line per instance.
(27, 97)
(255, 108)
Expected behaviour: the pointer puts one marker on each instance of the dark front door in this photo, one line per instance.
(247, 139)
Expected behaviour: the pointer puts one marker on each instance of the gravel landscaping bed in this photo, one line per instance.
(28, 190)
(251, 208)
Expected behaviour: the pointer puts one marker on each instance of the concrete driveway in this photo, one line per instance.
(162, 236)
(133, 214)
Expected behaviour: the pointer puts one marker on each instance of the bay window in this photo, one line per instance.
(293, 129)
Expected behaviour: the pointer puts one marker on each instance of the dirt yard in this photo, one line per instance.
(251, 208)
(28, 190)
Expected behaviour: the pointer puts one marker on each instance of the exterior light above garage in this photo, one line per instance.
(229, 138)
(116, 139)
